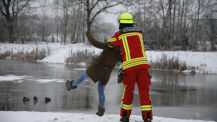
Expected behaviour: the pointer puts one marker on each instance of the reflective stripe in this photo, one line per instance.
(110, 45)
(123, 95)
(126, 107)
(146, 107)
(135, 62)
(125, 43)
(112, 39)
(129, 34)
(142, 45)
(126, 48)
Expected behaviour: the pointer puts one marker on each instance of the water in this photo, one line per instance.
(174, 94)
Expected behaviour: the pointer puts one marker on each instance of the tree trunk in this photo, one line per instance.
(57, 19)
(174, 21)
(212, 35)
(65, 24)
(196, 27)
(88, 14)
(11, 32)
(169, 18)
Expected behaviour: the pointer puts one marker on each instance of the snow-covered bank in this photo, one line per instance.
(203, 61)
(58, 52)
(75, 117)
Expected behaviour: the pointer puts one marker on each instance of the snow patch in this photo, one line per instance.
(13, 77)
(75, 117)
(49, 80)
(20, 79)
(62, 52)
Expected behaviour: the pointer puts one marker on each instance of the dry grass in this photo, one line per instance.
(36, 55)
(169, 64)
(30, 56)
(5, 55)
(81, 56)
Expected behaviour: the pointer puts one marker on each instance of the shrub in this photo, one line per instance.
(18, 56)
(170, 64)
(31, 56)
(36, 55)
(5, 55)
(81, 56)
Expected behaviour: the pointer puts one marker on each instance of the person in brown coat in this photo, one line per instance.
(99, 70)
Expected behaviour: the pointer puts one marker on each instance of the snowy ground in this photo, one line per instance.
(75, 117)
(205, 61)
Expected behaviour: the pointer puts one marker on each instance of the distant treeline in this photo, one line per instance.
(166, 24)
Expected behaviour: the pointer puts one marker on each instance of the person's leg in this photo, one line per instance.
(80, 79)
(101, 95)
(145, 101)
(127, 98)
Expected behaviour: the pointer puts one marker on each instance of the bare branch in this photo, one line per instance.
(103, 9)
(1, 9)
(13, 4)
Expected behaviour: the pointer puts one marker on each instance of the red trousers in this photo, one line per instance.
(142, 78)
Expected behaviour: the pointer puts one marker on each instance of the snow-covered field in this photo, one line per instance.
(205, 61)
(75, 117)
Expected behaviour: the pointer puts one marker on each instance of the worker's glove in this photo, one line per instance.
(149, 75)
(121, 75)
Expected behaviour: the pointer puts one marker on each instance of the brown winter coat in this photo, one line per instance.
(101, 68)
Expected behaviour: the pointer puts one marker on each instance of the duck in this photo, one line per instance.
(25, 99)
(35, 99)
(47, 99)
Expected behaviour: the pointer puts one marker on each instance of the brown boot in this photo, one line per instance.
(69, 85)
(101, 110)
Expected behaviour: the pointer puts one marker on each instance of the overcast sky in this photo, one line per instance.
(111, 17)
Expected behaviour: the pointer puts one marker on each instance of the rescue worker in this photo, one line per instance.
(135, 67)
(99, 70)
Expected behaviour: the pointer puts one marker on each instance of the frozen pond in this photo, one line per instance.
(174, 94)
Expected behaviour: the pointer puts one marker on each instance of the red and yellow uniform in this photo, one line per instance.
(136, 67)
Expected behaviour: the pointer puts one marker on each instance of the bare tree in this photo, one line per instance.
(43, 20)
(2, 30)
(11, 9)
(57, 3)
(65, 5)
(201, 9)
(95, 7)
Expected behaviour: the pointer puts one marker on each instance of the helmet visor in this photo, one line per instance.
(126, 21)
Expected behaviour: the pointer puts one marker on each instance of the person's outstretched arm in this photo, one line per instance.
(95, 43)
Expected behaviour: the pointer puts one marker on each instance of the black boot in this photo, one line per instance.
(101, 110)
(69, 85)
(124, 119)
(147, 120)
